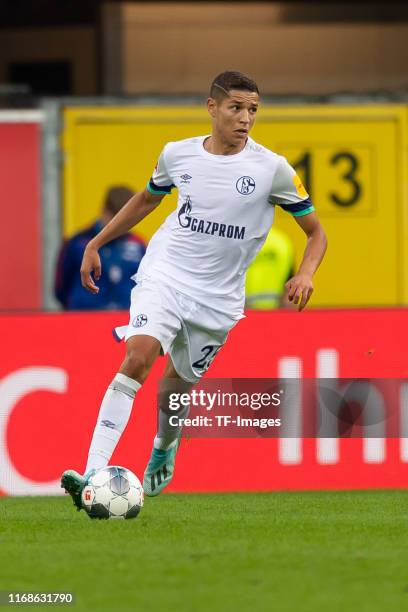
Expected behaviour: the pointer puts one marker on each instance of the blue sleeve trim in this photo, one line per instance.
(116, 336)
(159, 189)
(297, 209)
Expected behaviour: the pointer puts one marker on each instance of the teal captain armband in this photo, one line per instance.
(158, 189)
(298, 209)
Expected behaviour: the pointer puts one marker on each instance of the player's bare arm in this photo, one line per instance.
(300, 286)
(137, 208)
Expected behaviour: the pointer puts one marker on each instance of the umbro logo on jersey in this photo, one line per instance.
(245, 185)
(186, 178)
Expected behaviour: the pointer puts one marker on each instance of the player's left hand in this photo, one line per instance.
(299, 288)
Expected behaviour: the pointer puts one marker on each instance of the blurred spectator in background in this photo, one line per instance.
(120, 260)
(273, 266)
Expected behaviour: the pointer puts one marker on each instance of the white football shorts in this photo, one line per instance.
(190, 332)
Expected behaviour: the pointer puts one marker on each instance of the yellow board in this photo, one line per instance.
(111, 146)
(352, 160)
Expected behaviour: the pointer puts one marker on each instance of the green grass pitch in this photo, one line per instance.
(298, 552)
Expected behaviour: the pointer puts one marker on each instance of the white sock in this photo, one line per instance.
(167, 435)
(112, 419)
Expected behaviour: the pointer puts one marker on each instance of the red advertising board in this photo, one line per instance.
(20, 251)
(55, 369)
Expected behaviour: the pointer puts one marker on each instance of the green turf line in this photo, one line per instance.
(284, 552)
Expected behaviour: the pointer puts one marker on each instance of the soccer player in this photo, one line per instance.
(190, 288)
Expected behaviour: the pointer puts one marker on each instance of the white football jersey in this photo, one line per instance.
(225, 210)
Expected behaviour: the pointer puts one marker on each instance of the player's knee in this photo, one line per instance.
(137, 365)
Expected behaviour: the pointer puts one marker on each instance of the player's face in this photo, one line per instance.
(234, 115)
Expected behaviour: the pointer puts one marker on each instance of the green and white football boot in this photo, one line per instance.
(159, 470)
(73, 483)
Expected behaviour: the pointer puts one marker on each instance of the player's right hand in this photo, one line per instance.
(91, 263)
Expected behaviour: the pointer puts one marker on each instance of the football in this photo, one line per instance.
(113, 493)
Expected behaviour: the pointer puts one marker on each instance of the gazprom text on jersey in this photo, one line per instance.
(213, 228)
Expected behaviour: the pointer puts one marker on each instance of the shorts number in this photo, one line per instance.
(209, 353)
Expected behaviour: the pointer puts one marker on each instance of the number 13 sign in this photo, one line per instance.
(338, 177)
(351, 161)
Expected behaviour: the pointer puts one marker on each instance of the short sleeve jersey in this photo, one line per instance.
(225, 209)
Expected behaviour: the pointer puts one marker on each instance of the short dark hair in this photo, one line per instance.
(224, 82)
(116, 197)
